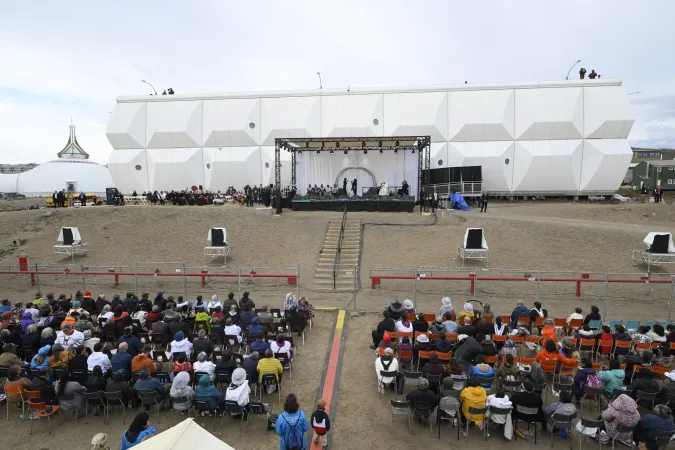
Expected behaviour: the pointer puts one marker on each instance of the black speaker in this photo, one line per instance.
(201, 188)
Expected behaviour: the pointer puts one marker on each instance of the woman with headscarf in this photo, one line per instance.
(41, 359)
(180, 344)
(509, 348)
(446, 306)
(181, 388)
(138, 431)
(622, 411)
(31, 339)
(239, 390)
(466, 312)
(290, 302)
(207, 392)
(487, 312)
(305, 307)
(26, 320)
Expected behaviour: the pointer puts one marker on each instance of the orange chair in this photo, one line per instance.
(560, 324)
(604, 344)
(539, 322)
(408, 334)
(525, 319)
(568, 368)
(15, 395)
(597, 366)
(40, 410)
(488, 318)
(492, 360)
(533, 339)
(434, 337)
(586, 344)
(637, 367)
(411, 316)
(423, 356)
(660, 370)
(381, 350)
(525, 361)
(574, 324)
(405, 358)
(506, 320)
(643, 346)
(393, 335)
(451, 337)
(444, 358)
(573, 341)
(499, 338)
(430, 318)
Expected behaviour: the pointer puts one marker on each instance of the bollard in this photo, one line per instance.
(472, 278)
(23, 263)
(374, 281)
(584, 276)
(32, 279)
(293, 280)
(117, 277)
(204, 277)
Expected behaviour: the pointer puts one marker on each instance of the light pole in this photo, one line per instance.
(634, 92)
(320, 84)
(153, 88)
(572, 67)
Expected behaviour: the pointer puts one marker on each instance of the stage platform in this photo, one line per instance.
(354, 205)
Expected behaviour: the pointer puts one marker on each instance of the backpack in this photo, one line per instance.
(293, 439)
(593, 381)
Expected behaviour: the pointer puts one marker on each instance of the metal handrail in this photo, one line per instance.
(338, 250)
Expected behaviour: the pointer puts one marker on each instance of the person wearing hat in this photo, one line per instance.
(42, 383)
(548, 331)
(180, 387)
(487, 311)
(89, 304)
(386, 324)
(466, 350)
(41, 359)
(160, 301)
(320, 422)
(386, 343)
(239, 390)
(422, 343)
(388, 363)
(489, 348)
(395, 310)
(180, 344)
(408, 307)
(423, 395)
(466, 312)
(621, 411)
(9, 356)
(446, 307)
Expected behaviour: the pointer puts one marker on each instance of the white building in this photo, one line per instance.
(71, 172)
(565, 137)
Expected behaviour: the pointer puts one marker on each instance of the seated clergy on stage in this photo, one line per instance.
(404, 188)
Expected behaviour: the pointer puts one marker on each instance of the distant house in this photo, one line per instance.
(655, 173)
(651, 154)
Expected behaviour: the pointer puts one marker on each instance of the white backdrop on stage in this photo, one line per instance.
(322, 168)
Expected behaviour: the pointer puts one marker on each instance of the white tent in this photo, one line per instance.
(84, 176)
(187, 435)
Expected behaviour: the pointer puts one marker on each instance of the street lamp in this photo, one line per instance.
(153, 88)
(320, 85)
(572, 67)
(634, 92)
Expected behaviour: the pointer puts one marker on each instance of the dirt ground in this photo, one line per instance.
(558, 239)
(308, 371)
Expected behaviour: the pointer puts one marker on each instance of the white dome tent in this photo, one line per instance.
(72, 172)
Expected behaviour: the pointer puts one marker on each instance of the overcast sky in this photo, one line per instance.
(70, 59)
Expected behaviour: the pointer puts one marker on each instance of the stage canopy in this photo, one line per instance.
(371, 160)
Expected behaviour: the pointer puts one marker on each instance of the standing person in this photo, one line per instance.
(292, 425)
(643, 193)
(321, 423)
(660, 192)
(483, 202)
(138, 431)
(354, 184)
(344, 186)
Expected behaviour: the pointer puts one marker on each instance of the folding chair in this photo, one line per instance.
(493, 411)
(269, 380)
(68, 398)
(557, 419)
(232, 407)
(406, 358)
(632, 326)
(41, 409)
(574, 324)
(285, 363)
(13, 391)
(401, 409)
(586, 423)
(601, 344)
(423, 410)
(386, 374)
(621, 429)
(202, 406)
(222, 379)
(532, 418)
(410, 379)
(595, 324)
(458, 382)
(593, 394)
(115, 399)
(93, 398)
(149, 398)
(475, 412)
(623, 345)
(450, 407)
(198, 375)
(491, 360)
(423, 356)
(586, 344)
(662, 438)
(647, 397)
(429, 318)
(257, 409)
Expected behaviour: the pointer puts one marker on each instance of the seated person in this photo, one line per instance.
(489, 348)
(119, 383)
(660, 419)
(270, 365)
(281, 345)
(239, 389)
(232, 329)
(181, 345)
(420, 324)
(181, 364)
(259, 345)
(255, 329)
(467, 328)
(443, 345)
(622, 411)
(148, 383)
(499, 400)
(437, 326)
(473, 395)
(482, 372)
(207, 392)
(226, 363)
(180, 387)
(507, 371)
(41, 383)
(564, 406)
(388, 363)
(422, 344)
(433, 367)
(422, 395)
(529, 399)
(204, 365)
(202, 344)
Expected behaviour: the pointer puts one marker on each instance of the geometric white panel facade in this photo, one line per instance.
(285, 117)
(549, 113)
(129, 169)
(174, 168)
(175, 124)
(604, 164)
(551, 166)
(481, 115)
(231, 122)
(241, 164)
(126, 127)
(419, 114)
(608, 113)
(352, 115)
(495, 157)
(531, 138)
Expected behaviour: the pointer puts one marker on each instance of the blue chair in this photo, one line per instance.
(595, 324)
(632, 325)
(614, 322)
(649, 323)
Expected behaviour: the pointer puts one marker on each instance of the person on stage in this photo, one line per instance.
(354, 183)
(344, 186)
(405, 189)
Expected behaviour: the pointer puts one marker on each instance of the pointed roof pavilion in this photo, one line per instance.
(73, 150)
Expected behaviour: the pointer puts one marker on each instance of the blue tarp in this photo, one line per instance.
(457, 202)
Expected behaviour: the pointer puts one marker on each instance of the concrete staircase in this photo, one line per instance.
(349, 255)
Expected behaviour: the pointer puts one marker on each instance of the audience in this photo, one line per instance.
(472, 396)
(621, 411)
(204, 365)
(138, 431)
(181, 388)
(646, 431)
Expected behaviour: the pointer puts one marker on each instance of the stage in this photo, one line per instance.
(374, 205)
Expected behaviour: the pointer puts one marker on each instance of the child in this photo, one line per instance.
(320, 422)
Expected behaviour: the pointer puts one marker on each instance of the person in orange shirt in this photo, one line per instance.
(548, 331)
(143, 360)
(550, 352)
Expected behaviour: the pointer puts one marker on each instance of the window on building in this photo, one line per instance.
(658, 169)
(670, 181)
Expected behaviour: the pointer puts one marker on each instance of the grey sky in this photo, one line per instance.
(71, 59)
